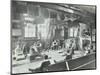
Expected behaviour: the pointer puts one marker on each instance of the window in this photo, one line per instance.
(30, 30)
(73, 32)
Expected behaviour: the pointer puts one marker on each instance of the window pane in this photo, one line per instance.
(71, 32)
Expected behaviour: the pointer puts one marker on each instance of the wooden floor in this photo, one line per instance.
(81, 63)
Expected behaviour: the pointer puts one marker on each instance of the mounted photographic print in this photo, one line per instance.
(52, 37)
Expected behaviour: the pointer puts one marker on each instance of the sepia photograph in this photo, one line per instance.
(52, 37)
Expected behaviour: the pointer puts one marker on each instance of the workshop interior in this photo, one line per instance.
(52, 37)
